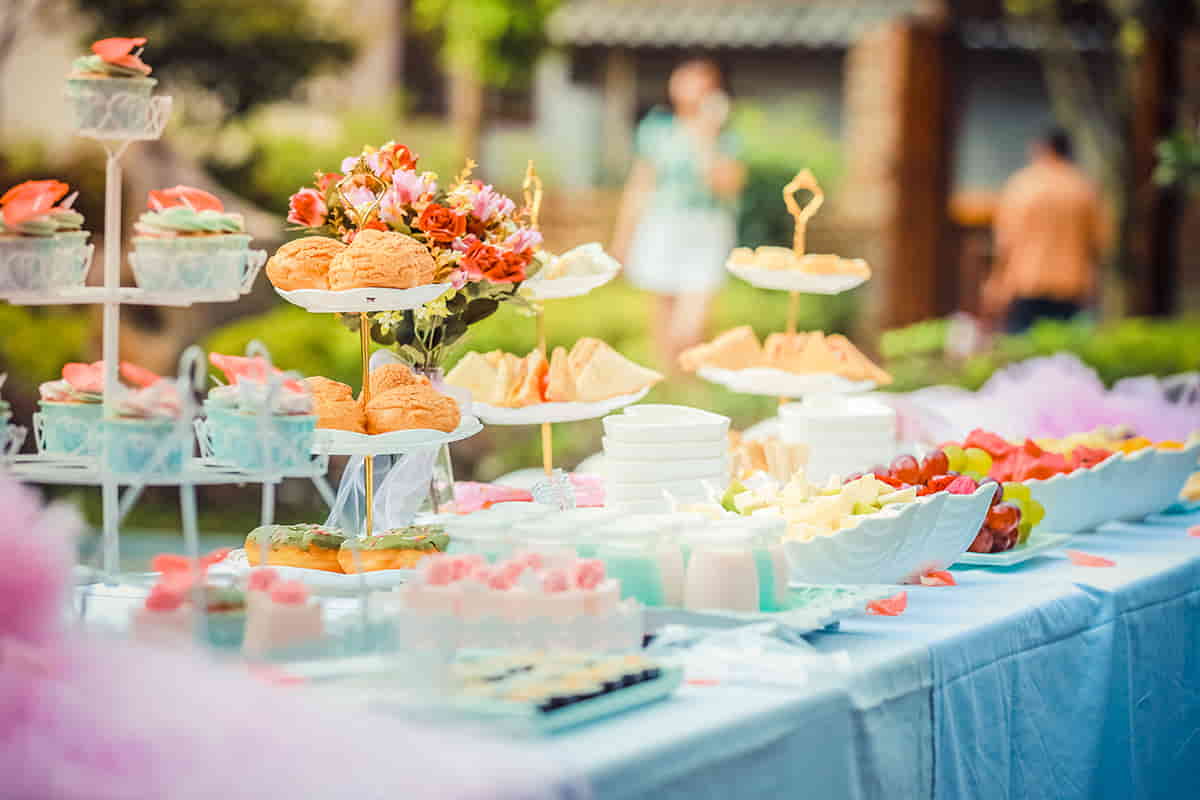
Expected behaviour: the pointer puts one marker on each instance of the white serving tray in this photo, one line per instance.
(1038, 544)
(348, 443)
(319, 580)
(780, 383)
(369, 299)
(553, 412)
(570, 286)
(791, 280)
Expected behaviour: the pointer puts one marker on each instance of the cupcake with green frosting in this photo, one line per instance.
(187, 240)
(42, 245)
(110, 89)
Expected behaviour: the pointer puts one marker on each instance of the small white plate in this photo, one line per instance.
(348, 443)
(320, 580)
(553, 412)
(1038, 544)
(780, 383)
(790, 280)
(320, 301)
(570, 286)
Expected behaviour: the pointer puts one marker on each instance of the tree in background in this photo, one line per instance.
(483, 43)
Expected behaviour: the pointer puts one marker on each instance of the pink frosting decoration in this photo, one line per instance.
(170, 562)
(262, 579)
(555, 580)
(162, 598)
(588, 573)
(85, 377)
(215, 557)
(440, 571)
(480, 574)
(463, 566)
(500, 581)
(289, 593)
(534, 560)
(512, 570)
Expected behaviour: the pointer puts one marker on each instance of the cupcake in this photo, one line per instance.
(42, 245)
(146, 436)
(186, 240)
(234, 416)
(110, 90)
(70, 408)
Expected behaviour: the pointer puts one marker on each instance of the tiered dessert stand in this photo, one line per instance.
(364, 302)
(819, 392)
(114, 131)
(546, 414)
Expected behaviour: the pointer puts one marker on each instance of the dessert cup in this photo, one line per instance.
(236, 439)
(135, 446)
(217, 262)
(40, 263)
(112, 107)
(68, 428)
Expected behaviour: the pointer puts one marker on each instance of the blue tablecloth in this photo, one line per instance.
(1045, 680)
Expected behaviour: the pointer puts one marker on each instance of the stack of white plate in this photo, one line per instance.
(656, 452)
(843, 434)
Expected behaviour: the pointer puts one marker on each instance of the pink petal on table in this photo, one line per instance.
(1082, 559)
(938, 577)
(889, 606)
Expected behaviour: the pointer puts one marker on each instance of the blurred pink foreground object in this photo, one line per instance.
(470, 496)
(83, 718)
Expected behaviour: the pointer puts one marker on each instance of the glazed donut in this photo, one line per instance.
(306, 545)
(400, 548)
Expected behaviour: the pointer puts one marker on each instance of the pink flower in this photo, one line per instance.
(440, 571)
(410, 187)
(588, 573)
(500, 582)
(289, 593)
(487, 203)
(262, 579)
(458, 279)
(349, 163)
(555, 581)
(512, 569)
(522, 240)
(307, 208)
(463, 244)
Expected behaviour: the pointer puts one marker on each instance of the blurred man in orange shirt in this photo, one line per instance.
(1050, 231)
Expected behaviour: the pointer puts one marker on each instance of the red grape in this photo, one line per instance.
(906, 469)
(982, 543)
(999, 495)
(936, 463)
(1004, 518)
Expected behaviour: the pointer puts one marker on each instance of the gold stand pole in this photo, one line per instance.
(532, 189)
(364, 338)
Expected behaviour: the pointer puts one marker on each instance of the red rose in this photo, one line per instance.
(480, 260)
(441, 224)
(324, 181)
(511, 269)
(307, 208)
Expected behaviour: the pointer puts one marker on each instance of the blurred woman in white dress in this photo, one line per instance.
(676, 223)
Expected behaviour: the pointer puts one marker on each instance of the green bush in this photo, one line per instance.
(1117, 349)
(776, 144)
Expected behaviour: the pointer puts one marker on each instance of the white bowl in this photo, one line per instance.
(638, 451)
(658, 471)
(654, 422)
(692, 489)
(897, 545)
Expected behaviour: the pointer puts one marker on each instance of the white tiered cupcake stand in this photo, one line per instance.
(49, 468)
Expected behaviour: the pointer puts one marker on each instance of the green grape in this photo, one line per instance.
(1024, 528)
(864, 508)
(1036, 513)
(976, 462)
(1014, 490)
(955, 457)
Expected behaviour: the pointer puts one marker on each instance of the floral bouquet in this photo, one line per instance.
(478, 238)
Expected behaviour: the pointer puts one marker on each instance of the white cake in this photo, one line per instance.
(843, 434)
(651, 449)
